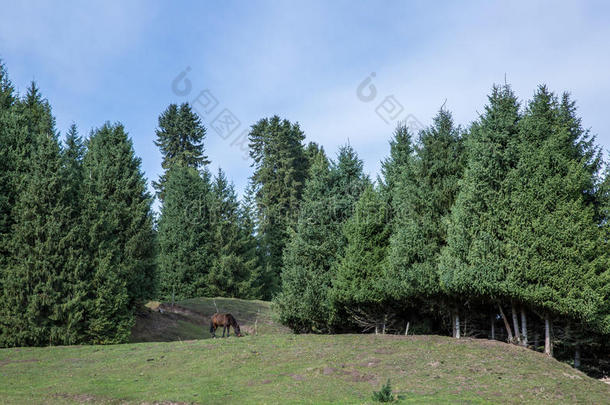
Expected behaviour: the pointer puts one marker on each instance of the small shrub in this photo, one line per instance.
(385, 394)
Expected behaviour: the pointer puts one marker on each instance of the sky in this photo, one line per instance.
(346, 71)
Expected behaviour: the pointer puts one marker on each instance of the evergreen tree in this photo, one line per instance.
(229, 275)
(397, 165)
(185, 232)
(554, 241)
(180, 137)
(36, 289)
(249, 247)
(358, 284)
(423, 199)
(76, 249)
(280, 168)
(120, 233)
(474, 261)
(7, 91)
(331, 192)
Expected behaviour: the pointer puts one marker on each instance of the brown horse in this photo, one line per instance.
(226, 321)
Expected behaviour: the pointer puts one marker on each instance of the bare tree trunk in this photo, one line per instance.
(493, 327)
(536, 339)
(548, 348)
(376, 329)
(515, 322)
(506, 324)
(457, 325)
(407, 329)
(523, 327)
(577, 356)
(385, 319)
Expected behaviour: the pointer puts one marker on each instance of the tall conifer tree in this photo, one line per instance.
(423, 201)
(280, 169)
(120, 232)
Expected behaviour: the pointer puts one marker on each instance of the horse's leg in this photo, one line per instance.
(224, 327)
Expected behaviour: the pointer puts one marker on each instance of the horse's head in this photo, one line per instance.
(237, 330)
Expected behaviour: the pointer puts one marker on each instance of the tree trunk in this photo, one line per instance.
(385, 320)
(506, 324)
(577, 356)
(548, 348)
(376, 329)
(457, 325)
(493, 327)
(407, 329)
(523, 327)
(515, 322)
(536, 339)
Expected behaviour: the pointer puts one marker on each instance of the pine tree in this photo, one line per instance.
(120, 233)
(280, 168)
(180, 137)
(185, 231)
(423, 200)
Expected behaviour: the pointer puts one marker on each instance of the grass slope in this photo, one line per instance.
(190, 319)
(277, 367)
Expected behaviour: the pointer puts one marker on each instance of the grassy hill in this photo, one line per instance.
(190, 319)
(277, 367)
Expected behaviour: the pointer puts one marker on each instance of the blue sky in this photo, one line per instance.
(116, 61)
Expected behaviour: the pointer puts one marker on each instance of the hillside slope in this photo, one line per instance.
(285, 368)
(190, 319)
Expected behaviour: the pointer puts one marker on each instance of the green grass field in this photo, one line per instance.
(277, 367)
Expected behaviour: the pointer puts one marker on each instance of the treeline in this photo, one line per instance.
(496, 230)
(77, 246)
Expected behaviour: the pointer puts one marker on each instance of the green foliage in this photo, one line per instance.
(331, 192)
(556, 247)
(359, 277)
(280, 168)
(423, 198)
(180, 136)
(385, 394)
(121, 239)
(474, 262)
(184, 233)
(229, 275)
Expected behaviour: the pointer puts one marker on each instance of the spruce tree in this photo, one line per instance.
(36, 287)
(185, 234)
(474, 263)
(121, 238)
(423, 200)
(180, 136)
(331, 192)
(555, 244)
(280, 168)
(229, 275)
(249, 248)
(398, 164)
(359, 281)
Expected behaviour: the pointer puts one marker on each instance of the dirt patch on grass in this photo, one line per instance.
(80, 398)
(5, 362)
